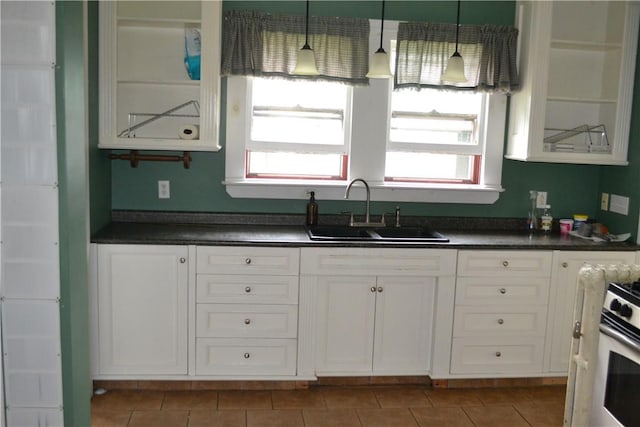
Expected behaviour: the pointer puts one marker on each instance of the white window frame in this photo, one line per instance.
(369, 135)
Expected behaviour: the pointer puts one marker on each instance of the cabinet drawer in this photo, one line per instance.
(513, 355)
(247, 260)
(502, 290)
(241, 320)
(247, 289)
(245, 356)
(377, 262)
(506, 321)
(504, 263)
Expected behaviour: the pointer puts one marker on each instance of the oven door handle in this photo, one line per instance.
(620, 337)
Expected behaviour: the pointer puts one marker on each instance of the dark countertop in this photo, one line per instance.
(256, 234)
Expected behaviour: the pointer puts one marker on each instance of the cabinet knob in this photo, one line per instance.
(247, 289)
(503, 290)
(505, 263)
(247, 355)
(373, 289)
(183, 260)
(247, 261)
(247, 321)
(500, 321)
(498, 354)
(565, 264)
(380, 289)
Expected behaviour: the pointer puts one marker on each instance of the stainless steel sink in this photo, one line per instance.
(399, 234)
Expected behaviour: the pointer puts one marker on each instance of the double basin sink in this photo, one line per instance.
(376, 234)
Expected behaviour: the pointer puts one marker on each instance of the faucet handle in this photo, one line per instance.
(350, 217)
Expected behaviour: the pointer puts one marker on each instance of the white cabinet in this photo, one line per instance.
(141, 310)
(577, 64)
(146, 93)
(376, 308)
(500, 312)
(563, 291)
(246, 311)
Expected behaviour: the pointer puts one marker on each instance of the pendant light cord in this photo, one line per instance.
(306, 29)
(381, 28)
(457, 25)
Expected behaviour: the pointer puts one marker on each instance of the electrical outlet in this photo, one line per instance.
(619, 204)
(604, 202)
(541, 200)
(164, 190)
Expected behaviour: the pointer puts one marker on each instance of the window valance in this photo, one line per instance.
(259, 44)
(489, 54)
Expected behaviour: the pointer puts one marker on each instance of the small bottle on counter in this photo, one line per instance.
(312, 210)
(546, 220)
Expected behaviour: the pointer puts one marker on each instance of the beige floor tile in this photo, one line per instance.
(275, 417)
(388, 417)
(110, 418)
(244, 399)
(444, 416)
(297, 399)
(453, 397)
(128, 399)
(349, 398)
(203, 399)
(542, 414)
(209, 418)
(551, 392)
(159, 418)
(331, 418)
(402, 397)
(495, 416)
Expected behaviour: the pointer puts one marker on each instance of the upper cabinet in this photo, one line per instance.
(148, 99)
(577, 64)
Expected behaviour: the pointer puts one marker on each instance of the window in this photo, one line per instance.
(287, 138)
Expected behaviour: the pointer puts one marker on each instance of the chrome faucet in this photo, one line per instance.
(367, 215)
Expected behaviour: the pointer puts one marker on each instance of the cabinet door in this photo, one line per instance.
(142, 305)
(404, 325)
(345, 324)
(561, 304)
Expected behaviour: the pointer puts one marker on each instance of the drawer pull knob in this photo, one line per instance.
(247, 261)
(247, 321)
(183, 260)
(247, 355)
(373, 289)
(380, 289)
(500, 321)
(565, 264)
(503, 291)
(505, 263)
(498, 354)
(247, 289)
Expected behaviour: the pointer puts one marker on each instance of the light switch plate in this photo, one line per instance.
(541, 200)
(604, 202)
(619, 204)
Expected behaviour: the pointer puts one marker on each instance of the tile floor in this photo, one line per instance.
(364, 406)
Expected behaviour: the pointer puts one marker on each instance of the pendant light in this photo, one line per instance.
(379, 68)
(306, 63)
(455, 67)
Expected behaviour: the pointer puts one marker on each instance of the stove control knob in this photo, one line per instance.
(615, 305)
(626, 311)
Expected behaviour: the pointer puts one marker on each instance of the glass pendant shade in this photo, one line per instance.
(306, 63)
(379, 67)
(455, 69)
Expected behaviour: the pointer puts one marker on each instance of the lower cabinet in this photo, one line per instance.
(500, 314)
(375, 310)
(142, 310)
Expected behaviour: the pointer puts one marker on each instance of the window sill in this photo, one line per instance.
(380, 191)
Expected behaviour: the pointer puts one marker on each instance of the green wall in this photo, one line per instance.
(200, 188)
(73, 184)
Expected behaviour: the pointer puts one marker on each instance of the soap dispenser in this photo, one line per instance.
(312, 210)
